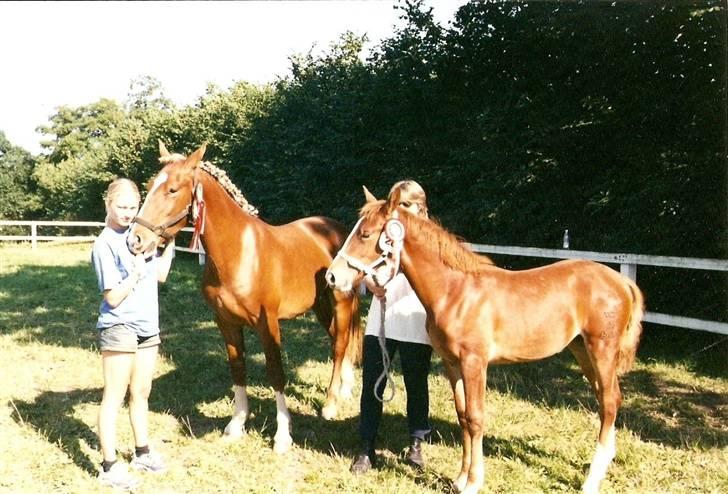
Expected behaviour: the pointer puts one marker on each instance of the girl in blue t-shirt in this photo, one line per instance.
(128, 332)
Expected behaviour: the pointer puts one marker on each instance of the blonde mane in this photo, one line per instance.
(221, 177)
(430, 234)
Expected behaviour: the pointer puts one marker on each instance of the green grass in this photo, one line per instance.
(541, 417)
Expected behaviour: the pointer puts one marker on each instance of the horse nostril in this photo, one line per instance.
(330, 279)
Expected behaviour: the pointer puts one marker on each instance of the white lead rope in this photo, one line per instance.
(385, 358)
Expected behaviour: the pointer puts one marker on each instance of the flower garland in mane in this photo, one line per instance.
(223, 179)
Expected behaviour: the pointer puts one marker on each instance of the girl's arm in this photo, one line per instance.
(165, 262)
(116, 295)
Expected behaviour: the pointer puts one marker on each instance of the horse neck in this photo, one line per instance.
(425, 272)
(224, 220)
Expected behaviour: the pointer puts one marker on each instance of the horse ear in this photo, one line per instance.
(196, 157)
(368, 195)
(163, 153)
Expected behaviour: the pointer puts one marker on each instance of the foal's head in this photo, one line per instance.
(167, 205)
(372, 246)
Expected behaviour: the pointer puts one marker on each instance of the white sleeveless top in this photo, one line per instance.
(404, 318)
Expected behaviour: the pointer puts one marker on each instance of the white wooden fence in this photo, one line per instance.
(627, 263)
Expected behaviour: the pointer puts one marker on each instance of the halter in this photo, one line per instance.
(390, 243)
(196, 205)
(161, 230)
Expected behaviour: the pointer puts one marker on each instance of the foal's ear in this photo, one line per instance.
(368, 195)
(196, 158)
(163, 153)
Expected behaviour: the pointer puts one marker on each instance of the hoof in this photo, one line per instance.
(282, 445)
(459, 483)
(233, 432)
(329, 412)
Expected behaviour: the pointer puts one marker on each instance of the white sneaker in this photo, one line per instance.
(149, 462)
(119, 477)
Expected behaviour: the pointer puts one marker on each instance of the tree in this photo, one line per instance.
(17, 187)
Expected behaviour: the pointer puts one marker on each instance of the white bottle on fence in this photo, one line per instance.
(566, 239)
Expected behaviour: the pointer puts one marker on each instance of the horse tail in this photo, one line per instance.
(356, 333)
(630, 338)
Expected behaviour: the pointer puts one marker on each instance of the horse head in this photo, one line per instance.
(372, 248)
(169, 199)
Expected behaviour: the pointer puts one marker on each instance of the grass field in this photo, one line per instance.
(541, 418)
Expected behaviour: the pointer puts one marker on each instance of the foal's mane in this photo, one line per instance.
(429, 234)
(220, 177)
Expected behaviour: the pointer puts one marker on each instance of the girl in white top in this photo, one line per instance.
(405, 333)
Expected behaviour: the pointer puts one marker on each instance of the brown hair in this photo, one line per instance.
(411, 192)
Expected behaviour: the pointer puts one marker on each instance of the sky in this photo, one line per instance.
(74, 53)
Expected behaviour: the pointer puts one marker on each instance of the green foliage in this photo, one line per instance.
(17, 189)
(520, 120)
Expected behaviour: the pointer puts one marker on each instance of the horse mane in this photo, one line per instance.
(221, 177)
(429, 233)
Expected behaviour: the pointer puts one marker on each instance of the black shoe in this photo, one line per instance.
(364, 461)
(414, 454)
(362, 464)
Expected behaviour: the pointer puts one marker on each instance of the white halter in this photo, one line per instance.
(390, 243)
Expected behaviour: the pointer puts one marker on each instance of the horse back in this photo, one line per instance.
(518, 316)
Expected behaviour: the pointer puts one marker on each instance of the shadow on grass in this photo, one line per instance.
(657, 408)
(59, 306)
(51, 414)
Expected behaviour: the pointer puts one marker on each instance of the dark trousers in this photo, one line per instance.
(415, 360)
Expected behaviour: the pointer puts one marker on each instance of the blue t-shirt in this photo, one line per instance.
(113, 263)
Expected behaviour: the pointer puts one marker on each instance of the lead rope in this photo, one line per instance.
(385, 358)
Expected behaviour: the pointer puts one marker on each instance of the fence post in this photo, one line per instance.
(629, 270)
(33, 235)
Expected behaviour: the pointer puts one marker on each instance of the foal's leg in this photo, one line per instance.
(235, 346)
(474, 379)
(270, 336)
(458, 391)
(604, 355)
(582, 357)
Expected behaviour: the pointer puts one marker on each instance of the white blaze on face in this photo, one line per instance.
(161, 179)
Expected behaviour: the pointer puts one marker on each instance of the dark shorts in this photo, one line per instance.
(122, 338)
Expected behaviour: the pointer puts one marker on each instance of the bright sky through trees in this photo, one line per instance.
(73, 53)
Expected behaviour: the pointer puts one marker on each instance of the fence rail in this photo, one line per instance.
(627, 263)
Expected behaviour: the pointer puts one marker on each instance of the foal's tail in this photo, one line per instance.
(356, 334)
(631, 337)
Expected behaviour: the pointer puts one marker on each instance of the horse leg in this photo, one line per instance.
(603, 355)
(235, 346)
(270, 336)
(474, 370)
(326, 313)
(458, 391)
(582, 357)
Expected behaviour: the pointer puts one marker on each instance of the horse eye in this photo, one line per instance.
(406, 204)
(365, 235)
(172, 190)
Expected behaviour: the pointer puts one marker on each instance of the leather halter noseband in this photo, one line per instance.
(161, 230)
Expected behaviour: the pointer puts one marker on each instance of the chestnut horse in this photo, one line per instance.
(479, 315)
(255, 274)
